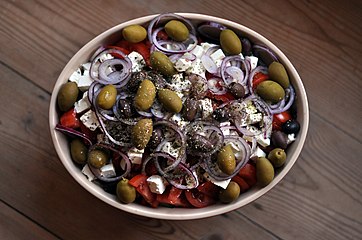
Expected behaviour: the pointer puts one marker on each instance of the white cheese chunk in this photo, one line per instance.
(217, 55)
(291, 138)
(183, 64)
(223, 184)
(108, 171)
(206, 45)
(254, 118)
(88, 173)
(81, 77)
(179, 83)
(258, 153)
(135, 155)
(197, 68)
(83, 104)
(138, 63)
(262, 140)
(206, 107)
(168, 148)
(253, 61)
(156, 184)
(198, 51)
(90, 120)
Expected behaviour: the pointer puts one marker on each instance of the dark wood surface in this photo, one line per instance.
(320, 198)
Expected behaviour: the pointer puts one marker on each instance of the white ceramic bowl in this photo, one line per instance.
(110, 36)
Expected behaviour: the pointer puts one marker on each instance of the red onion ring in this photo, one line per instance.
(289, 97)
(73, 133)
(212, 82)
(236, 58)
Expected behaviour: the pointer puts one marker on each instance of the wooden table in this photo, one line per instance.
(321, 197)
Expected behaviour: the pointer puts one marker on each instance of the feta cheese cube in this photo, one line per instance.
(206, 45)
(183, 64)
(90, 120)
(258, 153)
(88, 173)
(81, 77)
(197, 68)
(198, 51)
(262, 141)
(135, 155)
(156, 184)
(179, 84)
(206, 107)
(253, 61)
(254, 118)
(217, 55)
(138, 63)
(223, 184)
(291, 138)
(108, 171)
(83, 104)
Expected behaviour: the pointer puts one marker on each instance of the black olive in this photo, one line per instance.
(291, 126)
(246, 49)
(279, 139)
(190, 109)
(237, 90)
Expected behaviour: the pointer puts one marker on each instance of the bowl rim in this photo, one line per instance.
(178, 213)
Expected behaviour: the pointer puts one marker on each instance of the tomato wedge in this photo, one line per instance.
(140, 183)
(248, 173)
(173, 196)
(241, 182)
(258, 78)
(198, 199)
(279, 119)
(70, 119)
(209, 189)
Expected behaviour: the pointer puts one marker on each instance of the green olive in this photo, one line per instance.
(270, 91)
(107, 97)
(126, 193)
(160, 62)
(97, 158)
(67, 96)
(145, 96)
(277, 157)
(231, 193)
(226, 159)
(134, 33)
(264, 171)
(170, 100)
(177, 30)
(142, 132)
(78, 151)
(230, 42)
(278, 74)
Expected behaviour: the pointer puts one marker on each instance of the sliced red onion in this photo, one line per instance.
(216, 86)
(267, 117)
(98, 173)
(94, 87)
(99, 71)
(108, 115)
(144, 113)
(174, 57)
(236, 58)
(182, 138)
(290, 96)
(73, 133)
(209, 64)
(265, 54)
(97, 52)
(157, 110)
(261, 69)
(211, 30)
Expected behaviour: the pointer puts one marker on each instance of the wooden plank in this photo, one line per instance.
(13, 226)
(58, 30)
(47, 194)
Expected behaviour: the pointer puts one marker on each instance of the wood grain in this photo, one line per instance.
(319, 199)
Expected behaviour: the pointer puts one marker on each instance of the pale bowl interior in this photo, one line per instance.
(110, 36)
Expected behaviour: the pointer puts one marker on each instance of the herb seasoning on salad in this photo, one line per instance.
(179, 115)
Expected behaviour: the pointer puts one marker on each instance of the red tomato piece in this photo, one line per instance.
(244, 186)
(210, 189)
(140, 183)
(142, 49)
(279, 119)
(227, 97)
(124, 44)
(198, 199)
(258, 78)
(162, 35)
(70, 119)
(173, 196)
(124, 50)
(248, 173)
